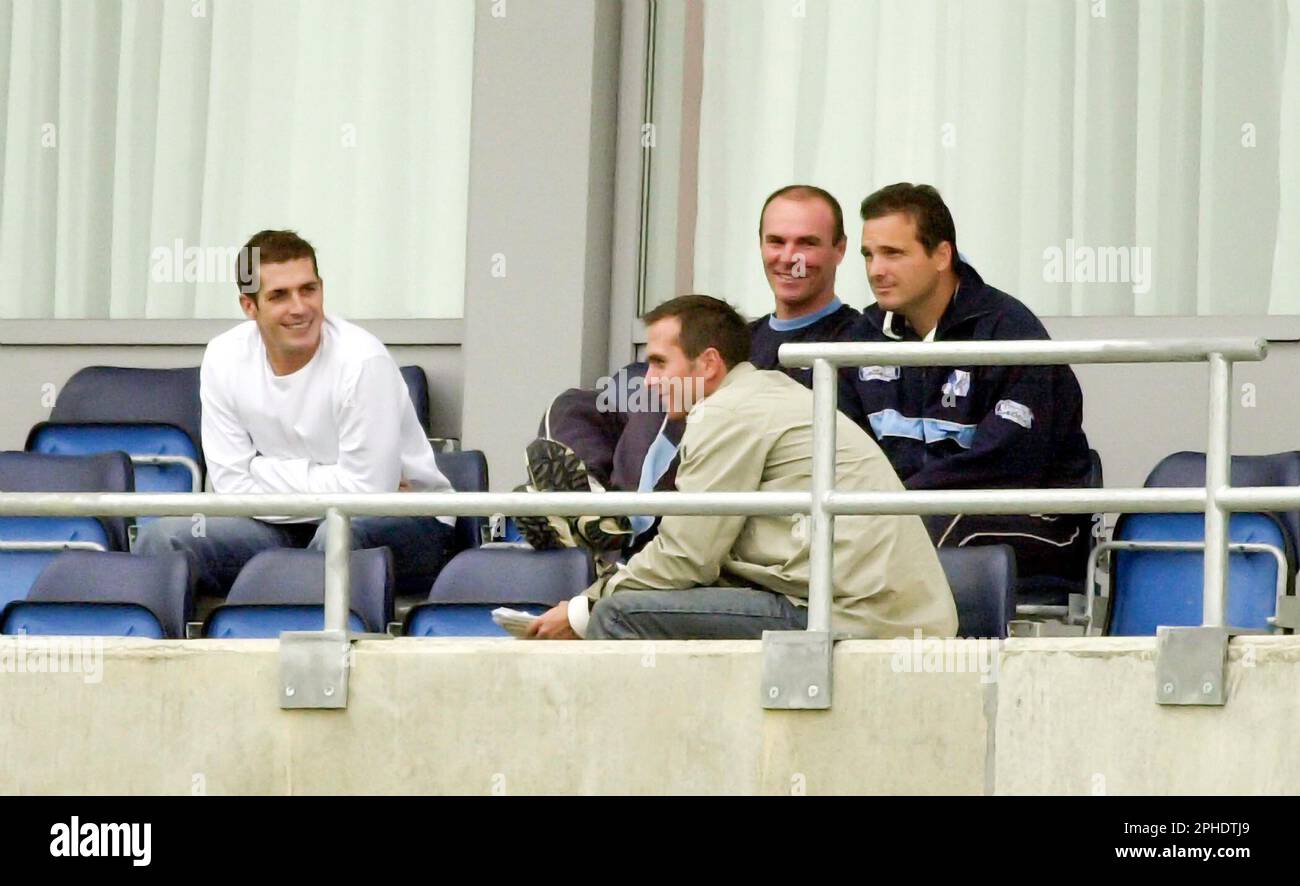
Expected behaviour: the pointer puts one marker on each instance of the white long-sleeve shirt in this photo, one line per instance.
(342, 423)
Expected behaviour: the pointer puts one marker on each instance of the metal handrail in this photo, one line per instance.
(196, 476)
(1120, 545)
(822, 503)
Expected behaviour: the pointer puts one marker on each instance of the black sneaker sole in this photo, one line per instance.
(605, 533)
(553, 467)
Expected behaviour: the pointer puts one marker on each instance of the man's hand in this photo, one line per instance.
(404, 486)
(552, 625)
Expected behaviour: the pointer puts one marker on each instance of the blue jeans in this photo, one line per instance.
(421, 546)
(695, 614)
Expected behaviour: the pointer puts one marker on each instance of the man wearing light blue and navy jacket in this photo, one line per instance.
(973, 427)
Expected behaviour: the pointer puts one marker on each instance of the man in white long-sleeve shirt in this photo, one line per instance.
(295, 401)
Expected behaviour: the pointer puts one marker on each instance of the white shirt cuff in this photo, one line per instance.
(579, 614)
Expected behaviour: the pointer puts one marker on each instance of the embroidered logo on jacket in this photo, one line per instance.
(878, 373)
(958, 384)
(1016, 412)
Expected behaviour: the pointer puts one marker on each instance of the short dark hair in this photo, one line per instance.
(273, 248)
(926, 208)
(806, 192)
(707, 322)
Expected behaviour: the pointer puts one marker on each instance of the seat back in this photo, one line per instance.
(136, 440)
(103, 472)
(477, 581)
(983, 581)
(128, 395)
(1278, 469)
(257, 622)
(291, 577)
(417, 385)
(160, 584)
(81, 619)
(1153, 588)
(20, 568)
(1096, 477)
(467, 471)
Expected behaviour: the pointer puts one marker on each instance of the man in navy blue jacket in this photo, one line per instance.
(968, 427)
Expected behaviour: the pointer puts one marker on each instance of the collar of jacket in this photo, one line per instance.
(971, 301)
(740, 370)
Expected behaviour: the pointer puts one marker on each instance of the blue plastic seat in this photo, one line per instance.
(138, 440)
(284, 590)
(103, 472)
(1153, 588)
(106, 594)
(477, 581)
(983, 581)
(98, 403)
(417, 385)
(252, 622)
(1278, 469)
(467, 471)
(20, 568)
(82, 619)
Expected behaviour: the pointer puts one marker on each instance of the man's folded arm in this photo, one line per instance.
(370, 454)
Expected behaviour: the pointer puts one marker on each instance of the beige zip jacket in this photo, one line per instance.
(755, 433)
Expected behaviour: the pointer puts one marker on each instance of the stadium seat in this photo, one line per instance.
(467, 470)
(1278, 469)
(1152, 588)
(284, 590)
(1096, 477)
(148, 413)
(101, 472)
(93, 593)
(982, 579)
(1048, 590)
(477, 581)
(28, 544)
(417, 384)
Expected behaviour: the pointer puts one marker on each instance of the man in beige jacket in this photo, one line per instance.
(734, 577)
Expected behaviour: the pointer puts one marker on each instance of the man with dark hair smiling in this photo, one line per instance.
(964, 427)
(710, 577)
(297, 401)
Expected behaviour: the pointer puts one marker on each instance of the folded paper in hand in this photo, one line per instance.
(512, 620)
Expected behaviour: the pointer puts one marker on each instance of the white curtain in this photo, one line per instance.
(1170, 127)
(132, 126)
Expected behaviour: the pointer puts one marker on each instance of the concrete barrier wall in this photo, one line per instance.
(488, 716)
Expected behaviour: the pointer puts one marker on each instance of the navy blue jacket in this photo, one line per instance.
(970, 427)
(764, 340)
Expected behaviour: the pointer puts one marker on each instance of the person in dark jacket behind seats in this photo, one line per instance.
(965, 427)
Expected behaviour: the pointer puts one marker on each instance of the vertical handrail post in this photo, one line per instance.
(821, 559)
(1217, 476)
(338, 569)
